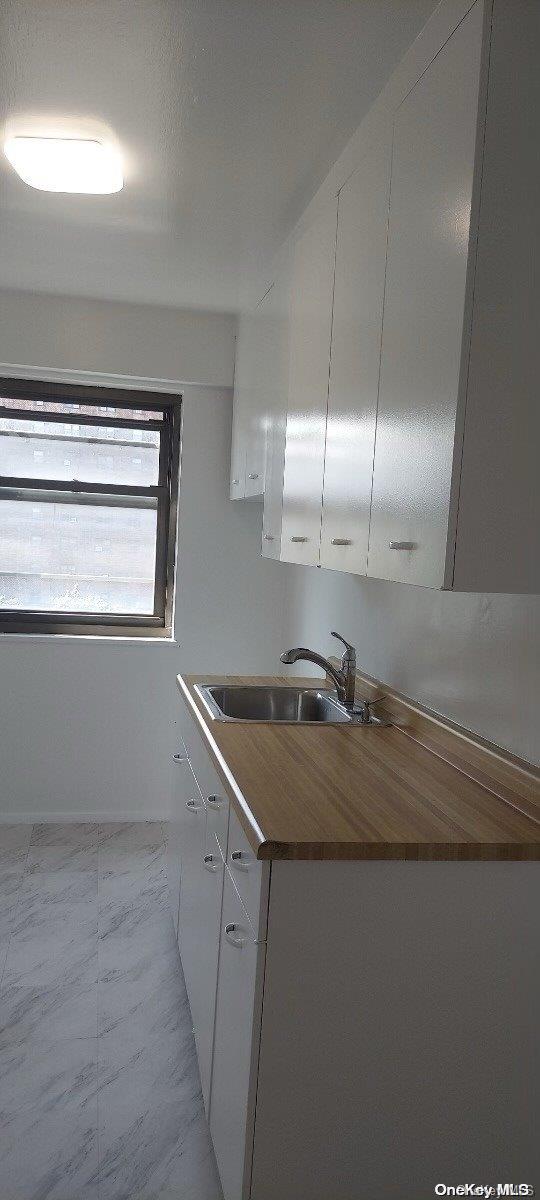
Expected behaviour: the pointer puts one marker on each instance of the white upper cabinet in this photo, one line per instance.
(309, 360)
(276, 358)
(355, 357)
(424, 328)
(412, 434)
(248, 449)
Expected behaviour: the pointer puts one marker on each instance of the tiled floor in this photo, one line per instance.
(99, 1089)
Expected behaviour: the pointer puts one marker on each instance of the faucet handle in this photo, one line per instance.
(351, 652)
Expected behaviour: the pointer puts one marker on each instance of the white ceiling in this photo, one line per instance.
(230, 113)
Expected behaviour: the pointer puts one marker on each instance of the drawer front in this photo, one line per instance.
(217, 823)
(249, 875)
(211, 787)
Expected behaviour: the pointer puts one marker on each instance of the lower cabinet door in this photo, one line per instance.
(182, 786)
(236, 1044)
(198, 936)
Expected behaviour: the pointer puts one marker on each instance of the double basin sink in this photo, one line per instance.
(291, 705)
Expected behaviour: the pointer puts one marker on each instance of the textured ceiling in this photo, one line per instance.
(229, 112)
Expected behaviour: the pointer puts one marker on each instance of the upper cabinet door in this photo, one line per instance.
(309, 361)
(426, 280)
(248, 434)
(240, 409)
(257, 400)
(355, 360)
(276, 358)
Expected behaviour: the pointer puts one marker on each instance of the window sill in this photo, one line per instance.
(103, 639)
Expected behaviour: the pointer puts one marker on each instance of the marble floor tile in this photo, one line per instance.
(153, 1134)
(52, 951)
(67, 833)
(10, 886)
(4, 946)
(61, 857)
(125, 989)
(48, 1138)
(130, 835)
(55, 1013)
(14, 843)
(96, 1041)
(130, 876)
(132, 930)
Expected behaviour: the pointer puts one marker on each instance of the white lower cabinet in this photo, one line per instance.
(180, 785)
(198, 930)
(337, 1002)
(239, 997)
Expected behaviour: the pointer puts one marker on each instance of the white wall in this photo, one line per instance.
(63, 332)
(473, 658)
(88, 726)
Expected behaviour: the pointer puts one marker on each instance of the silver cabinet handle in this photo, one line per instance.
(268, 537)
(235, 482)
(193, 805)
(210, 863)
(299, 539)
(233, 935)
(401, 545)
(215, 801)
(253, 475)
(341, 542)
(238, 861)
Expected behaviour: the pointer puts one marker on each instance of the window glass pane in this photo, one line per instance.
(90, 410)
(74, 557)
(37, 449)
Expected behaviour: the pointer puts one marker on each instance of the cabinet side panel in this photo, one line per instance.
(499, 502)
(399, 1043)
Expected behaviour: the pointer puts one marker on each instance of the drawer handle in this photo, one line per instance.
(401, 545)
(233, 936)
(235, 482)
(299, 539)
(341, 541)
(238, 861)
(193, 806)
(269, 537)
(178, 758)
(215, 801)
(210, 862)
(253, 475)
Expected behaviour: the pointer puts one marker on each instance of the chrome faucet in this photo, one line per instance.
(344, 678)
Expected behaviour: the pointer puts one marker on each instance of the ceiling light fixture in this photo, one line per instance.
(57, 164)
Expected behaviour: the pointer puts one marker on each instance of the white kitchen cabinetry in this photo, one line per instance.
(313, 960)
(198, 929)
(238, 1008)
(248, 452)
(182, 786)
(426, 316)
(276, 361)
(309, 361)
(355, 357)
(418, 334)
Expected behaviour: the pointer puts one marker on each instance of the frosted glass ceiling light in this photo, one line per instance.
(55, 164)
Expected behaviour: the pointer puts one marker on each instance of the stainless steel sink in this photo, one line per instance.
(292, 705)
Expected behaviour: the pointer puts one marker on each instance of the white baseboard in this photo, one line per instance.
(46, 818)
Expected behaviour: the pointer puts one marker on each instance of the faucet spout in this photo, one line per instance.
(344, 678)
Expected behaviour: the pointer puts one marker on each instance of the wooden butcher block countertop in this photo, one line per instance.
(414, 790)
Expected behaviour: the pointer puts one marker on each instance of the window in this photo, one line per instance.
(88, 480)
